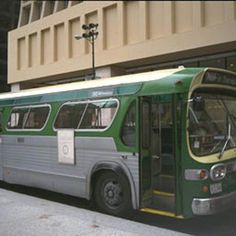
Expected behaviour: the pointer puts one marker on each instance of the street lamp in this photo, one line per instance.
(90, 34)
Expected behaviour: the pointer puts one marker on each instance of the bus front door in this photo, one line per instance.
(145, 151)
(163, 178)
(157, 155)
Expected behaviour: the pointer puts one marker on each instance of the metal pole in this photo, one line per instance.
(90, 34)
(93, 57)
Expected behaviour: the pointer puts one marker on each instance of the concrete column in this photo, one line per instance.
(109, 71)
(15, 87)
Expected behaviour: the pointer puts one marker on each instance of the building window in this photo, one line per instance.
(25, 15)
(37, 11)
(75, 2)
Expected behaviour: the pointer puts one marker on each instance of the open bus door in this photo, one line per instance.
(157, 157)
(145, 151)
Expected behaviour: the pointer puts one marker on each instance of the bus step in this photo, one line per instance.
(160, 212)
(164, 201)
(165, 183)
(165, 194)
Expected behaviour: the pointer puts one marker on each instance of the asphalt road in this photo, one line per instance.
(221, 224)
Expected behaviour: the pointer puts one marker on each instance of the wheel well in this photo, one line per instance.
(100, 171)
(94, 178)
(111, 191)
(101, 168)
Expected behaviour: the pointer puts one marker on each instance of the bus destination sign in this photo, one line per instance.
(216, 77)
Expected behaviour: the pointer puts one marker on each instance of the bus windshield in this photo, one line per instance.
(212, 123)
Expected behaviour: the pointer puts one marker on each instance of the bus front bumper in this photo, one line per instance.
(209, 206)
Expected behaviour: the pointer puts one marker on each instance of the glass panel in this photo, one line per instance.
(166, 128)
(69, 116)
(129, 127)
(212, 123)
(155, 129)
(146, 124)
(75, 2)
(37, 118)
(98, 115)
(18, 118)
(66, 2)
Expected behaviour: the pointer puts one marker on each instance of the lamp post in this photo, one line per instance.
(90, 34)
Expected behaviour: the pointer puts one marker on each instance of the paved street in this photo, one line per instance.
(29, 211)
(26, 215)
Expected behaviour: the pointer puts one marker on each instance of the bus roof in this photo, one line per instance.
(118, 80)
(125, 80)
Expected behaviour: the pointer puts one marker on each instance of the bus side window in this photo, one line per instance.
(99, 115)
(37, 118)
(91, 115)
(129, 127)
(69, 115)
(18, 118)
(28, 117)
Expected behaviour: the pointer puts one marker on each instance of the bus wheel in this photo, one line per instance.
(112, 194)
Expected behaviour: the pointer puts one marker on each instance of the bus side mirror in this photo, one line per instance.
(198, 103)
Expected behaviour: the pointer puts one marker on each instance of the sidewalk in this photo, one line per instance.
(25, 215)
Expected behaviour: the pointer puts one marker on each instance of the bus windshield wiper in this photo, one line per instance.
(230, 121)
(227, 139)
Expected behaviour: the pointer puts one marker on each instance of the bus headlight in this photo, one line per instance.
(218, 172)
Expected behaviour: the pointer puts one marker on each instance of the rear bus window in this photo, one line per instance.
(28, 117)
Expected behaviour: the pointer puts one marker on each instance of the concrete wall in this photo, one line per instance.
(43, 46)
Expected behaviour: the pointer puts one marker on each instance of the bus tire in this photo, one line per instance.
(112, 194)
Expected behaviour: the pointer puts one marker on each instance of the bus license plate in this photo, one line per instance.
(216, 188)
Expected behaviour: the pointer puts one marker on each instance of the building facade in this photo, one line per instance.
(9, 12)
(134, 36)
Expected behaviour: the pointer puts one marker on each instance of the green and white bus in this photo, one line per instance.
(161, 142)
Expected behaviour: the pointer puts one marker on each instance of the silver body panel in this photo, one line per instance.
(209, 206)
(33, 161)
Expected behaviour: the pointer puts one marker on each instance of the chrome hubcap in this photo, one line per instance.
(112, 194)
